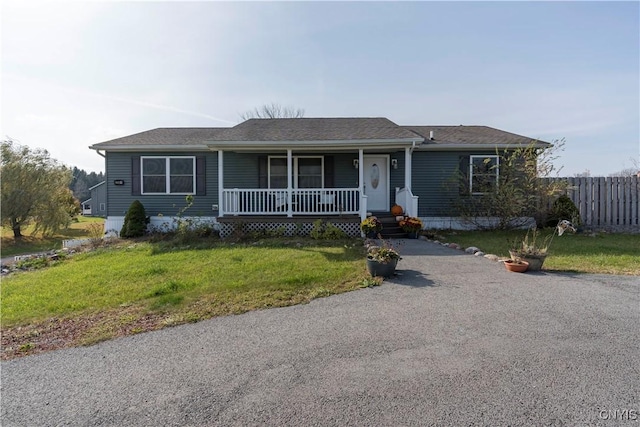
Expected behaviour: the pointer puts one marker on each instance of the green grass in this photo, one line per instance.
(31, 243)
(188, 283)
(580, 253)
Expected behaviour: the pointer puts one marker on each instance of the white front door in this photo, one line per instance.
(376, 182)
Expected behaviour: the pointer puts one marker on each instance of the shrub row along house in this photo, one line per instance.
(286, 173)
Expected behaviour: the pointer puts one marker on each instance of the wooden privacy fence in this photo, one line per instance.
(611, 202)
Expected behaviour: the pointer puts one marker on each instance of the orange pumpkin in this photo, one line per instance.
(396, 210)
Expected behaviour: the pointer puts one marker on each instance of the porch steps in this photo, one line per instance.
(390, 227)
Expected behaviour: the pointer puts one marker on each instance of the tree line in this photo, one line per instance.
(81, 182)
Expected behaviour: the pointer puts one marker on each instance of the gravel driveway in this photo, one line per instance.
(454, 340)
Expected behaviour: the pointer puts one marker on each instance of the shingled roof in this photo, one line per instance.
(318, 132)
(469, 135)
(163, 137)
(316, 129)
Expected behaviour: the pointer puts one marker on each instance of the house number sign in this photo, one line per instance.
(118, 182)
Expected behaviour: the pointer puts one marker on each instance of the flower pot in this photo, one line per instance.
(372, 235)
(516, 267)
(412, 234)
(382, 269)
(535, 261)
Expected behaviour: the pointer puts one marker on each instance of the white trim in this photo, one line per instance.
(311, 145)
(151, 147)
(97, 185)
(471, 147)
(220, 182)
(167, 175)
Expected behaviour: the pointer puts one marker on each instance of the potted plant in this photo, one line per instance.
(534, 250)
(516, 265)
(411, 225)
(382, 260)
(371, 226)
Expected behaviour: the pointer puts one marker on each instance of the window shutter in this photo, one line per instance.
(135, 176)
(464, 174)
(329, 172)
(263, 172)
(201, 178)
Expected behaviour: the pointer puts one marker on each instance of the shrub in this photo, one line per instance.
(326, 231)
(563, 208)
(135, 221)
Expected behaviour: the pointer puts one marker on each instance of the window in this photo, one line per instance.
(103, 207)
(168, 175)
(309, 172)
(483, 173)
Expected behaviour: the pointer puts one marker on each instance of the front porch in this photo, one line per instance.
(290, 202)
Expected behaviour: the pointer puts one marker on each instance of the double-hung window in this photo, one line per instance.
(168, 175)
(308, 172)
(484, 172)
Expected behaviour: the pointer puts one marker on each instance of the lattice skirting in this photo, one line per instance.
(283, 228)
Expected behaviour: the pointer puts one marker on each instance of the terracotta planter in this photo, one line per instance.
(381, 269)
(511, 265)
(535, 262)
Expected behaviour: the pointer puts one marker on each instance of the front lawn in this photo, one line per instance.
(32, 243)
(581, 253)
(144, 286)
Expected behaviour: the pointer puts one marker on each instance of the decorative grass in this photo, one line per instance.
(32, 243)
(579, 253)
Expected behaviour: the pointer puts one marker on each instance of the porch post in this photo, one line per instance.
(289, 183)
(363, 198)
(407, 168)
(220, 184)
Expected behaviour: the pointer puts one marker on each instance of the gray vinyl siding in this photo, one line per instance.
(99, 199)
(396, 176)
(119, 197)
(434, 180)
(345, 175)
(241, 169)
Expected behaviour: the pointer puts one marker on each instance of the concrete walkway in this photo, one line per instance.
(454, 340)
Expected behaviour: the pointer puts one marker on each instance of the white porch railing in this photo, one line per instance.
(406, 199)
(308, 201)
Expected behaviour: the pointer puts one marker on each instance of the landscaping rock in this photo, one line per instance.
(471, 250)
(454, 246)
(478, 253)
(492, 257)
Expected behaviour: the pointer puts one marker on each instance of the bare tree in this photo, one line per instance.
(273, 111)
(634, 170)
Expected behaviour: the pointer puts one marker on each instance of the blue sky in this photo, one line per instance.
(78, 73)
